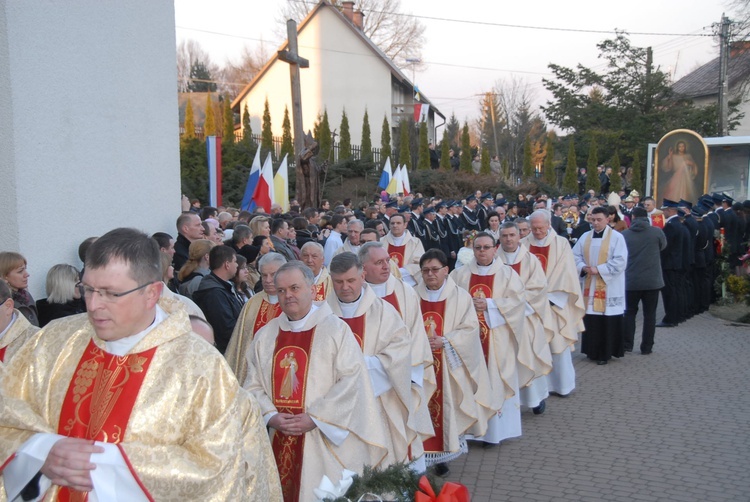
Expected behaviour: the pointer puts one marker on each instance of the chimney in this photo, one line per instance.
(348, 10)
(359, 19)
(737, 48)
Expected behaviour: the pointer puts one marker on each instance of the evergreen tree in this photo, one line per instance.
(445, 146)
(404, 154)
(209, 126)
(465, 164)
(636, 182)
(189, 125)
(200, 78)
(247, 130)
(385, 141)
(615, 181)
(345, 139)
(424, 148)
(325, 138)
(454, 131)
(266, 135)
(366, 153)
(287, 147)
(485, 169)
(592, 176)
(549, 167)
(528, 164)
(228, 136)
(570, 181)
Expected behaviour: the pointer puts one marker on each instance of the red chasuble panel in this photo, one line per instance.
(291, 358)
(433, 314)
(357, 325)
(480, 286)
(2, 354)
(397, 254)
(100, 399)
(393, 300)
(266, 313)
(516, 267)
(541, 252)
(657, 220)
(320, 292)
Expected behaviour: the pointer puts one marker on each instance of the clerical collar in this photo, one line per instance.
(298, 325)
(348, 309)
(397, 241)
(510, 258)
(484, 269)
(379, 289)
(273, 299)
(7, 328)
(434, 295)
(124, 345)
(598, 235)
(540, 242)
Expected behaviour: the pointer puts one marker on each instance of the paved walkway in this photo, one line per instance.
(673, 425)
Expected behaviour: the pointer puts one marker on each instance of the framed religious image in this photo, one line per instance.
(681, 168)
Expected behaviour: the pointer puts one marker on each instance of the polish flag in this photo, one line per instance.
(264, 191)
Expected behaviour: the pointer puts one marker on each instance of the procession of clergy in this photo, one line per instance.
(386, 355)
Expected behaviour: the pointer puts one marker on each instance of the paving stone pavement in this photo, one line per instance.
(672, 426)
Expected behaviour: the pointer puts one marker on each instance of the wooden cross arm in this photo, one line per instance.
(291, 58)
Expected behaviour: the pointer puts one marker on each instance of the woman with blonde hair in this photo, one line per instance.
(13, 270)
(63, 294)
(195, 268)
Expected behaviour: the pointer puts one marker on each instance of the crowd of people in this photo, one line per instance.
(254, 353)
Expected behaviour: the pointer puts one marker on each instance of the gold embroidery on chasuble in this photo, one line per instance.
(291, 363)
(433, 314)
(542, 253)
(397, 254)
(266, 313)
(100, 399)
(480, 286)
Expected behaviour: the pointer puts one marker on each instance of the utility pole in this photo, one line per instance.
(723, 79)
(306, 182)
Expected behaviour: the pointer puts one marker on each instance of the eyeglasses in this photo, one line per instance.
(105, 294)
(433, 270)
(483, 248)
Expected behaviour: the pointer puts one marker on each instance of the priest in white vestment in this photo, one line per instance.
(497, 296)
(564, 294)
(404, 249)
(311, 254)
(309, 376)
(256, 313)
(464, 397)
(601, 256)
(378, 270)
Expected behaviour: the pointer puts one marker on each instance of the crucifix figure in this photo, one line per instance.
(307, 176)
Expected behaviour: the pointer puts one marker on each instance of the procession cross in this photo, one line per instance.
(305, 192)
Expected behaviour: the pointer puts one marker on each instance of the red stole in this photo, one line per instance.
(320, 292)
(480, 286)
(266, 313)
(357, 325)
(657, 220)
(2, 354)
(397, 254)
(100, 399)
(291, 358)
(433, 314)
(541, 252)
(393, 300)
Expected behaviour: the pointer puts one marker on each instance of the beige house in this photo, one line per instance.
(702, 85)
(347, 72)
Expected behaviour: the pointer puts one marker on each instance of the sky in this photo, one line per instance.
(467, 51)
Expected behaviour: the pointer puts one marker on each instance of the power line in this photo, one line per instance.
(521, 26)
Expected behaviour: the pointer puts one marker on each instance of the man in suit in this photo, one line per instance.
(469, 216)
(672, 262)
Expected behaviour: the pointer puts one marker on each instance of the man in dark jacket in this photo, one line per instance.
(643, 278)
(672, 263)
(189, 229)
(217, 297)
